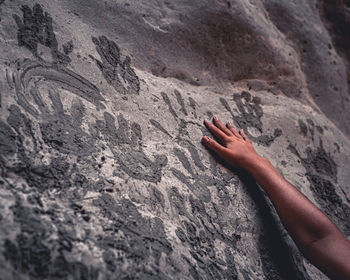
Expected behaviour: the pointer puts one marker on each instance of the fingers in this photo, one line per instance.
(18, 21)
(220, 125)
(245, 137)
(233, 130)
(223, 133)
(214, 146)
(216, 131)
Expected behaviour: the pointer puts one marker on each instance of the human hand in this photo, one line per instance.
(236, 149)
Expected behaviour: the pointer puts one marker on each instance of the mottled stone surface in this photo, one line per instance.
(102, 103)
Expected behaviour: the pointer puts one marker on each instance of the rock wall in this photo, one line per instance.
(102, 106)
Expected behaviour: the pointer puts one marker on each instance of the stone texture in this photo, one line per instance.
(102, 103)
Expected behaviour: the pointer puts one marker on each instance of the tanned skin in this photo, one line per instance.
(315, 235)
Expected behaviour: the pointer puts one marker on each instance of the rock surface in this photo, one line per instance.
(102, 103)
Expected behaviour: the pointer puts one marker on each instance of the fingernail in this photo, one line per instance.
(228, 124)
(215, 118)
(206, 139)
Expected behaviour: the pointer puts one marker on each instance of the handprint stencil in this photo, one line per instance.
(36, 28)
(198, 181)
(139, 241)
(33, 30)
(126, 144)
(117, 73)
(182, 118)
(250, 113)
(59, 174)
(202, 249)
(321, 172)
(63, 131)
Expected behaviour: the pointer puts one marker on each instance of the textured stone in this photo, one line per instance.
(102, 106)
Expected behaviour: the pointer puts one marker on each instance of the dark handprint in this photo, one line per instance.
(117, 73)
(59, 130)
(36, 28)
(250, 113)
(321, 172)
(126, 144)
(183, 118)
(202, 249)
(199, 182)
(139, 241)
(58, 174)
(202, 227)
(33, 30)
(63, 131)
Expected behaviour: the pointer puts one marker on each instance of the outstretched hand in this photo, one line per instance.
(235, 148)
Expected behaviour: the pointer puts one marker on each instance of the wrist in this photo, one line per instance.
(253, 162)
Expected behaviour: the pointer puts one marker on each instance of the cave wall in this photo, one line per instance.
(102, 174)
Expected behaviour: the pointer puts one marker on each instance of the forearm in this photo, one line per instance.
(316, 236)
(303, 220)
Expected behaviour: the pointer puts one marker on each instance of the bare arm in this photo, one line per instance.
(315, 235)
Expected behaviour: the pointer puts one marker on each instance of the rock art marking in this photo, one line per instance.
(321, 172)
(126, 144)
(309, 128)
(278, 258)
(59, 174)
(36, 252)
(117, 73)
(198, 232)
(33, 30)
(183, 117)
(135, 245)
(199, 229)
(63, 131)
(197, 181)
(27, 75)
(250, 113)
(36, 28)
(202, 250)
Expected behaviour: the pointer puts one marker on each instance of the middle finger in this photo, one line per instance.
(220, 125)
(216, 131)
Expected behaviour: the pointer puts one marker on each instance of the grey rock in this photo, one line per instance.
(102, 103)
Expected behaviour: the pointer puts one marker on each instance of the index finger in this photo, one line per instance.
(216, 131)
(221, 126)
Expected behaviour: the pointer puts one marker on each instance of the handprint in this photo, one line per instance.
(126, 144)
(202, 227)
(138, 239)
(202, 249)
(36, 28)
(58, 174)
(60, 130)
(197, 181)
(250, 113)
(321, 172)
(182, 118)
(33, 30)
(117, 73)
